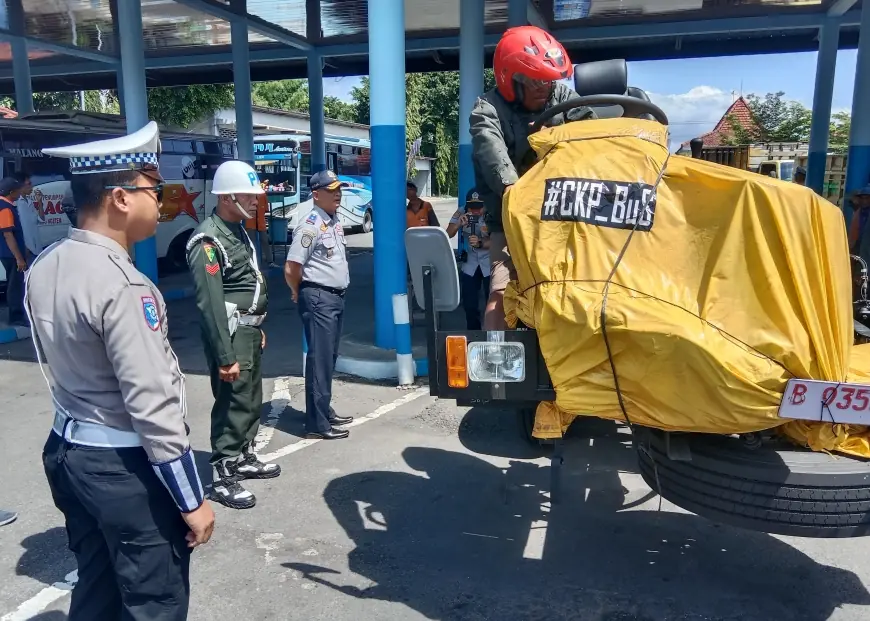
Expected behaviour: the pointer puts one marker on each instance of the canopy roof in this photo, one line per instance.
(73, 45)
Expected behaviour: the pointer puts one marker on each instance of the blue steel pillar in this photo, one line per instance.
(20, 61)
(315, 112)
(242, 82)
(518, 11)
(470, 83)
(387, 79)
(858, 172)
(135, 99)
(826, 65)
(21, 76)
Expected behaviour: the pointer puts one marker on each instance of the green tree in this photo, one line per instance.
(289, 95)
(183, 105)
(841, 125)
(335, 108)
(778, 119)
(361, 96)
(432, 114)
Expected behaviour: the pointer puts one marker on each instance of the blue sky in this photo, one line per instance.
(696, 92)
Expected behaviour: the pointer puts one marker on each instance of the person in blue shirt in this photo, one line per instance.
(12, 249)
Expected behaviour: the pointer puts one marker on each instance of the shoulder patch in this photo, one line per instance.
(307, 239)
(210, 252)
(149, 309)
(311, 219)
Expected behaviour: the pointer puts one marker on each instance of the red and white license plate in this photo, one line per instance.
(826, 401)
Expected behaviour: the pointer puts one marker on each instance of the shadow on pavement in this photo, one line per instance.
(50, 616)
(461, 538)
(45, 555)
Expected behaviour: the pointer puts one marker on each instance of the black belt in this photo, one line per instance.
(315, 285)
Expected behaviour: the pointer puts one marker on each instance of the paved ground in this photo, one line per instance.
(428, 511)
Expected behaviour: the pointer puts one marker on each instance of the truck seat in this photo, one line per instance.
(606, 77)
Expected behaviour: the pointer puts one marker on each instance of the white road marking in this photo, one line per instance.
(269, 542)
(384, 409)
(372, 520)
(49, 595)
(280, 400)
(43, 599)
(534, 549)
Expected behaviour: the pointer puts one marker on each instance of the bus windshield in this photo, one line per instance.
(277, 164)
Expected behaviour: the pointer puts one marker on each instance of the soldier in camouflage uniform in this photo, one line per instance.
(231, 296)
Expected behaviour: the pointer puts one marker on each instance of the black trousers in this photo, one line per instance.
(235, 415)
(14, 291)
(125, 531)
(471, 286)
(322, 313)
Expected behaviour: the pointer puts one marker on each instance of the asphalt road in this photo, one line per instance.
(429, 511)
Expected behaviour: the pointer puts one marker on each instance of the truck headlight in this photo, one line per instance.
(496, 361)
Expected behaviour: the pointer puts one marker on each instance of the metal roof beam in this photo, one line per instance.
(765, 23)
(256, 24)
(535, 18)
(840, 7)
(59, 48)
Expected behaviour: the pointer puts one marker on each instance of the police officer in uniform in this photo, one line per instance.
(317, 274)
(475, 269)
(117, 460)
(231, 296)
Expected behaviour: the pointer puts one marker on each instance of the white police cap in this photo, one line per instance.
(137, 151)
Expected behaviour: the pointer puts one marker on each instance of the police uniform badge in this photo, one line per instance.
(307, 238)
(324, 227)
(311, 219)
(209, 252)
(329, 253)
(149, 308)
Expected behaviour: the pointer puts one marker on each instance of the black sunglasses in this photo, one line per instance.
(157, 189)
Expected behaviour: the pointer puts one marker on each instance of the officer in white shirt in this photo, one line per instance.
(318, 276)
(29, 216)
(475, 270)
(118, 460)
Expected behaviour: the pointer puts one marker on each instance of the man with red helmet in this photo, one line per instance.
(528, 62)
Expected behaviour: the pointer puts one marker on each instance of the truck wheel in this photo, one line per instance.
(776, 488)
(526, 417)
(368, 224)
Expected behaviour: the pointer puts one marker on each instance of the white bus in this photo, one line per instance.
(187, 162)
(283, 162)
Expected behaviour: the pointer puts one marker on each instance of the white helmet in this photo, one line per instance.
(235, 177)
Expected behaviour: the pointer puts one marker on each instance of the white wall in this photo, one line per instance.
(277, 122)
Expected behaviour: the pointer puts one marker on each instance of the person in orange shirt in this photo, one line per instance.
(419, 212)
(13, 252)
(258, 224)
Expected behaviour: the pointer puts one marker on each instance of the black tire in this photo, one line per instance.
(526, 418)
(777, 488)
(176, 254)
(368, 224)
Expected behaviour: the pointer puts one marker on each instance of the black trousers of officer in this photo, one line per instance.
(322, 314)
(471, 286)
(125, 531)
(235, 415)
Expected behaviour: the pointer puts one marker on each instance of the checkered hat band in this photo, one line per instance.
(125, 161)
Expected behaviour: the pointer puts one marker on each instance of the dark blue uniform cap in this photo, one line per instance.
(472, 198)
(325, 179)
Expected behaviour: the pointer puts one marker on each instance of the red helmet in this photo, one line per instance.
(531, 52)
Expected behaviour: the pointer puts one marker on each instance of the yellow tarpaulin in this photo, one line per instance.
(731, 284)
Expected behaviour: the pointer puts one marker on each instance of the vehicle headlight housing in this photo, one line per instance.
(490, 361)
